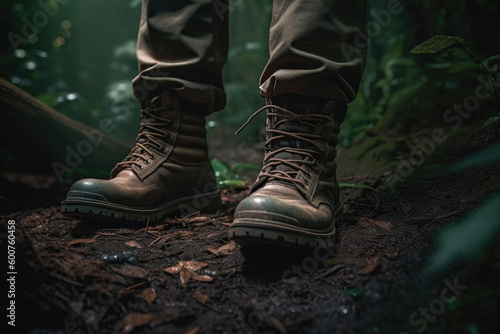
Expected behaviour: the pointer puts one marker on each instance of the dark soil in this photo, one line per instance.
(362, 285)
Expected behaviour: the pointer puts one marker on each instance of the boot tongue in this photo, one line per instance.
(312, 106)
(159, 106)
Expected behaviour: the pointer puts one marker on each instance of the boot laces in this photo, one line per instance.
(151, 130)
(283, 161)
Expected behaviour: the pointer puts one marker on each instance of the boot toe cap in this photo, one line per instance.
(284, 209)
(90, 189)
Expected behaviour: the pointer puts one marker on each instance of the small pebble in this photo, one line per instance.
(125, 257)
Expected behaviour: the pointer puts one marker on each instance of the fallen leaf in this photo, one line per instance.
(223, 250)
(365, 221)
(193, 265)
(201, 278)
(81, 241)
(193, 330)
(197, 219)
(132, 243)
(187, 274)
(371, 264)
(277, 324)
(200, 296)
(174, 269)
(130, 270)
(149, 295)
(130, 288)
(331, 270)
(133, 320)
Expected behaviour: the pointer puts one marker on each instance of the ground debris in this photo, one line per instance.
(149, 295)
(371, 264)
(125, 257)
(187, 274)
(134, 320)
(77, 269)
(365, 221)
(191, 265)
(130, 270)
(200, 296)
(132, 243)
(223, 250)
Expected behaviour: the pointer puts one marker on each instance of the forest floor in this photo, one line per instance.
(183, 275)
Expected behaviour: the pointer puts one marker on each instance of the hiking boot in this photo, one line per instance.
(167, 170)
(295, 200)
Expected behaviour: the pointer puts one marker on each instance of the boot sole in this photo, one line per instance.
(248, 231)
(185, 205)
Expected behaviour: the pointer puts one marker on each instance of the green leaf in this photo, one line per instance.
(462, 66)
(354, 185)
(436, 44)
(491, 120)
(353, 292)
(231, 183)
(489, 154)
(220, 169)
(241, 166)
(467, 238)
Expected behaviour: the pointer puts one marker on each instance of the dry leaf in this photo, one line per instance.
(132, 243)
(223, 250)
(187, 274)
(365, 221)
(193, 330)
(174, 269)
(201, 278)
(193, 265)
(81, 241)
(277, 324)
(149, 295)
(371, 264)
(197, 219)
(133, 320)
(200, 296)
(130, 270)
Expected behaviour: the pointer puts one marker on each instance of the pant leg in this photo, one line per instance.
(306, 49)
(182, 45)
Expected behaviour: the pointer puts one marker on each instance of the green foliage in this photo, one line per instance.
(488, 155)
(354, 185)
(436, 44)
(466, 239)
(229, 178)
(491, 120)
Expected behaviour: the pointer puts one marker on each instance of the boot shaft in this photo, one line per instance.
(169, 131)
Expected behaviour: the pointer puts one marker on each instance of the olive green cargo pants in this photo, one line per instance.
(182, 45)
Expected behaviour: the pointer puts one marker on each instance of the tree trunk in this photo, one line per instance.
(37, 138)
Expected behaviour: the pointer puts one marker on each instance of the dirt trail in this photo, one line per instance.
(184, 276)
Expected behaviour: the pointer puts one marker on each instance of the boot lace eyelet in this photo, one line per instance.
(141, 167)
(152, 157)
(147, 162)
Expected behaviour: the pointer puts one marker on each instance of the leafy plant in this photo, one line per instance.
(438, 43)
(229, 178)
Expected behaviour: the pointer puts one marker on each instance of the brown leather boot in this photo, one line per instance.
(167, 170)
(295, 200)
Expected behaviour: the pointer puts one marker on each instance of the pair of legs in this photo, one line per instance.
(182, 48)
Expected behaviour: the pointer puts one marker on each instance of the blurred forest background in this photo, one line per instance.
(82, 59)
